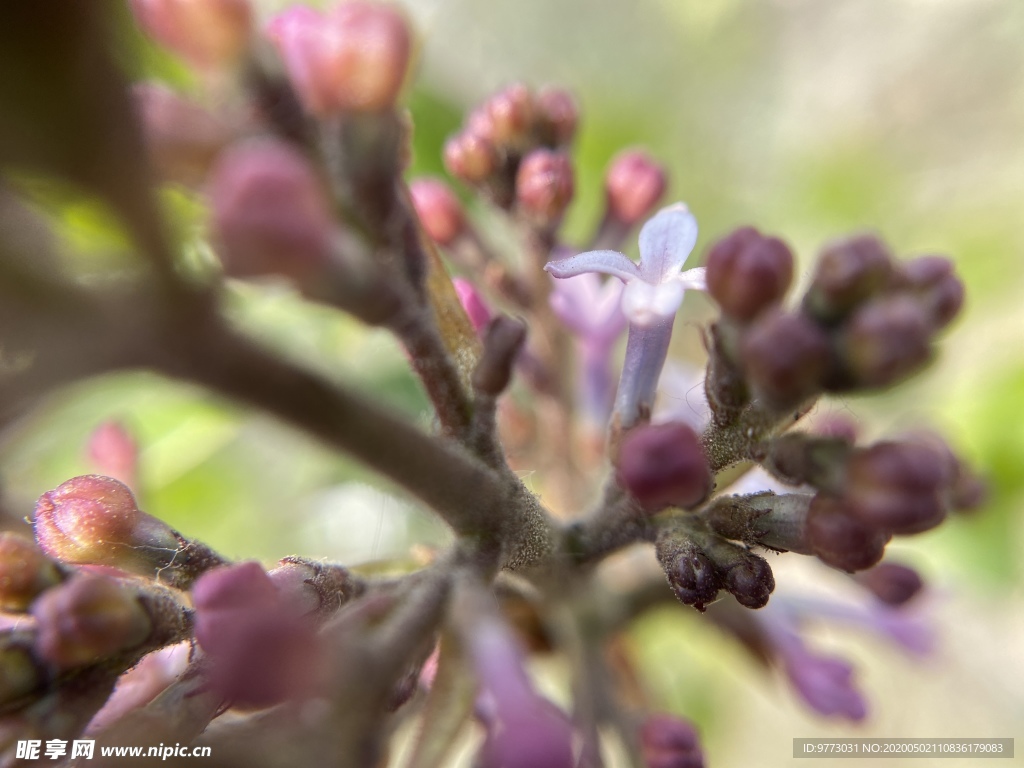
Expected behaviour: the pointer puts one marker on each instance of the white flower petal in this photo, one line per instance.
(666, 241)
(694, 279)
(606, 262)
(646, 304)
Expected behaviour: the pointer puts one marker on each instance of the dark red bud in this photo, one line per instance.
(892, 583)
(847, 274)
(786, 358)
(886, 340)
(664, 465)
(936, 285)
(748, 272)
(898, 486)
(633, 185)
(842, 540)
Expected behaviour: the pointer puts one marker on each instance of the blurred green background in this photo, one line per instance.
(807, 118)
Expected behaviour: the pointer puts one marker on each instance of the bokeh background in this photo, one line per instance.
(808, 119)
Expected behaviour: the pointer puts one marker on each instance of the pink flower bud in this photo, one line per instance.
(634, 184)
(262, 648)
(87, 619)
(96, 520)
(182, 137)
(113, 452)
(670, 742)
(510, 114)
(470, 157)
(748, 272)
(439, 210)
(25, 572)
(544, 185)
(664, 465)
(473, 303)
(353, 58)
(557, 116)
(269, 213)
(206, 33)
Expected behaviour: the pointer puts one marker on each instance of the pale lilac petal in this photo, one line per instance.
(606, 262)
(666, 241)
(573, 300)
(694, 279)
(645, 304)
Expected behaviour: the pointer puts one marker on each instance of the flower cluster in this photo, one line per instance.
(295, 142)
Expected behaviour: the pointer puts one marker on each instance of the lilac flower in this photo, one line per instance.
(824, 682)
(592, 312)
(654, 290)
(524, 730)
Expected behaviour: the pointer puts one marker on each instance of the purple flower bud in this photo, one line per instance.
(86, 619)
(470, 157)
(262, 648)
(748, 272)
(886, 340)
(439, 210)
(634, 183)
(182, 137)
(932, 279)
(842, 540)
(557, 116)
(544, 185)
(664, 465)
(892, 583)
(897, 486)
(786, 357)
(113, 451)
(269, 213)
(25, 572)
(96, 520)
(352, 58)
(667, 741)
(206, 33)
(848, 273)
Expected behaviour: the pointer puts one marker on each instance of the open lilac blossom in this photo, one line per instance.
(654, 290)
(655, 286)
(825, 683)
(523, 729)
(592, 311)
